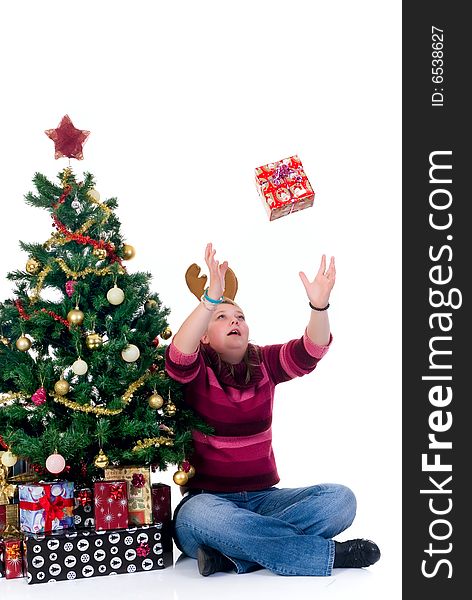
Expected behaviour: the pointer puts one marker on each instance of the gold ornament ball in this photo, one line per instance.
(101, 460)
(61, 387)
(150, 305)
(130, 353)
(75, 316)
(166, 334)
(93, 341)
(94, 194)
(9, 459)
(23, 343)
(5, 341)
(100, 253)
(128, 251)
(80, 367)
(155, 401)
(33, 266)
(115, 295)
(180, 477)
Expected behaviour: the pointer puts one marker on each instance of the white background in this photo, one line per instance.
(183, 100)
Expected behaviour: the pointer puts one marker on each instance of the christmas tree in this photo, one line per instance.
(82, 346)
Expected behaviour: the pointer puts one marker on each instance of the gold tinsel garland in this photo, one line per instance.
(41, 277)
(126, 397)
(149, 442)
(7, 396)
(70, 273)
(76, 274)
(98, 410)
(104, 207)
(86, 408)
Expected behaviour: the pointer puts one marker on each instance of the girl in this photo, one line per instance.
(233, 517)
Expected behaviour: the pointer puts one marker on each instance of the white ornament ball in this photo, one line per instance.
(93, 193)
(9, 459)
(55, 463)
(130, 353)
(115, 295)
(80, 367)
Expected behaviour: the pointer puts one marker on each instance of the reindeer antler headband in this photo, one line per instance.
(197, 283)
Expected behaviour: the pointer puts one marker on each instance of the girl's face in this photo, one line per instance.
(228, 333)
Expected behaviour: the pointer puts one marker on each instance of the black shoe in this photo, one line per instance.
(211, 561)
(355, 553)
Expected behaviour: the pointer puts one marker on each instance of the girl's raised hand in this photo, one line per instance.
(319, 290)
(217, 273)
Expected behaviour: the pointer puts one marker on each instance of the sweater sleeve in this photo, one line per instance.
(293, 359)
(182, 367)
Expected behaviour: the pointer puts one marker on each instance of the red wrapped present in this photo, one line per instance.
(284, 187)
(13, 556)
(161, 504)
(111, 505)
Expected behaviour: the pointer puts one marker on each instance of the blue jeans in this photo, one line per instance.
(287, 531)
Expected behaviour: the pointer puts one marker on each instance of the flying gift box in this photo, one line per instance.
(284, 187)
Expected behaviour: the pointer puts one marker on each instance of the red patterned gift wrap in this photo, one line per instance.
(284, 187)
(13, 556)
(111, 505)
(161, 503)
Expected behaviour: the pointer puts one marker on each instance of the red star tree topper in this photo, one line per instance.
(68, 140)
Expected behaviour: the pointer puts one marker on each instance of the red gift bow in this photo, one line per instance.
(138, 480)
(84, 497)
(13, 552)
(143, 549)
(52, 509)
(116, 491)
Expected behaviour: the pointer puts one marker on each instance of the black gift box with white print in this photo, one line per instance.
(70, 554)
(83, 508)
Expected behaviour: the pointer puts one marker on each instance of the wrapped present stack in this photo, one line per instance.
(58, 531)
(284, 187)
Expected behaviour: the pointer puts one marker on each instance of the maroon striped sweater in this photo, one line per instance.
(239, 456)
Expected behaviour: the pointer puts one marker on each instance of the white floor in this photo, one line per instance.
(183, 582)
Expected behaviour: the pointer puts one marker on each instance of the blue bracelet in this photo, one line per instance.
(208, 299)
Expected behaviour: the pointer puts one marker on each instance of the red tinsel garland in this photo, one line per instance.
(56, 317)
(52, 314)
(85, 239)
